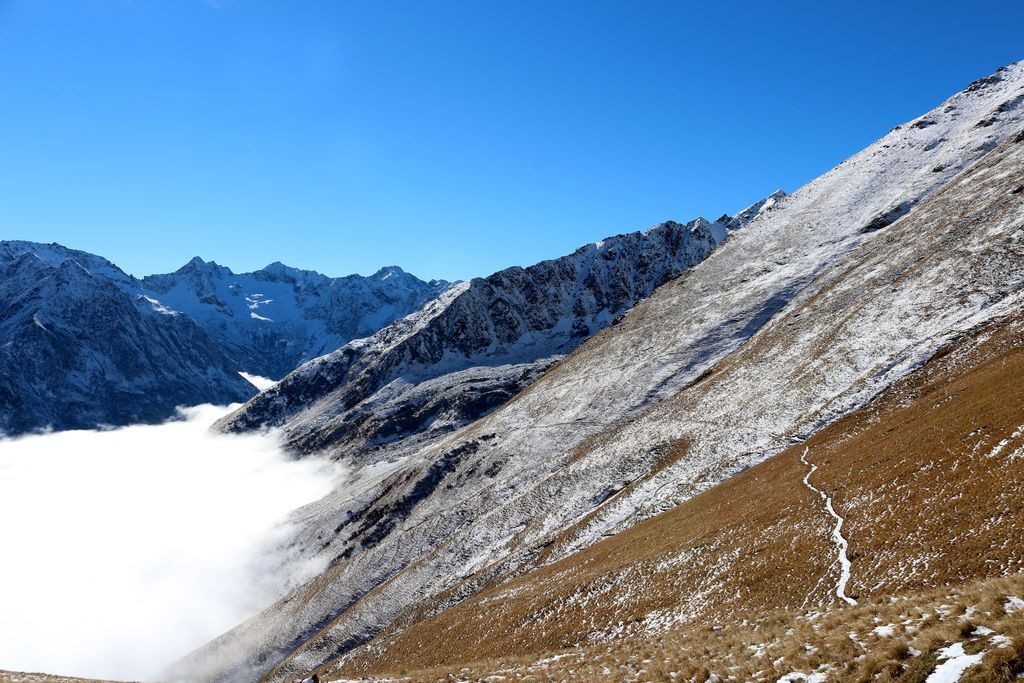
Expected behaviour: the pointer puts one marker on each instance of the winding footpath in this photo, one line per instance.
(837, 533)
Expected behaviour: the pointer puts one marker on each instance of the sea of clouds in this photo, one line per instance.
(122, 550)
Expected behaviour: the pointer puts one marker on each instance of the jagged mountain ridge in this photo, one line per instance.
(275, 318)
(478, 344)
(86, 344)
(595, 446)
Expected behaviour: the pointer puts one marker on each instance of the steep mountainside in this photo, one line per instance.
(802, 317)
(476, 346)
(273, 319)
(86, 344)
(928, 481)
(77, 351)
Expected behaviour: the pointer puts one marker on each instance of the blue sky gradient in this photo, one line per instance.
(452, 138)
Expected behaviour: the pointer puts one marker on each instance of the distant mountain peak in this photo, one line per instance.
(277, 317)
(53, 254)
(744, 217)
(197, 265)
(387, 271)
(277, 267)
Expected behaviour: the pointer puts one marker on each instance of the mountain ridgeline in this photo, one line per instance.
(85, 344)
(477, 345)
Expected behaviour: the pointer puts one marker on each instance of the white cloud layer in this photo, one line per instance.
(123, 550)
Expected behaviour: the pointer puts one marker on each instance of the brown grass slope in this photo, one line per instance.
(929, 479)
(902, 639)
(852, 331)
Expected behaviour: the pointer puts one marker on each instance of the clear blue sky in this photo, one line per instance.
(450, 138)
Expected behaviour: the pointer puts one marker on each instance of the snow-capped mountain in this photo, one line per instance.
(85, 344)
(273, 319)
(477, 345)
(77, 351)
(815, 307)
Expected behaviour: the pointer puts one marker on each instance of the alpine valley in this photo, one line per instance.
(786, 445)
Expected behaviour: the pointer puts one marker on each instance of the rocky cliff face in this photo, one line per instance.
(476, 346)
(804, 315)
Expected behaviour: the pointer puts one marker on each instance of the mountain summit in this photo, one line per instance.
(79, 348)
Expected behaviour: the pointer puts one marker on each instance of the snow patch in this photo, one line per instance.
(157, 306)
(957, 662)
(261, 383)
(819, 677)
(998, 448)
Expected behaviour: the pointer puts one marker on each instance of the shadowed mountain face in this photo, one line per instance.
(84, 344)
(76, 351)
(806, 314)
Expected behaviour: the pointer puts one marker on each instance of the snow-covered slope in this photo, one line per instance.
(476, 346)
(273, 319)
(822, 301)
(77, 351)
(84, 343)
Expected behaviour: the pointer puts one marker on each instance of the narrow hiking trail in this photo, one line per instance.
(837, 533)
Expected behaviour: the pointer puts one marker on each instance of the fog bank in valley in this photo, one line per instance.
(125, 549)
